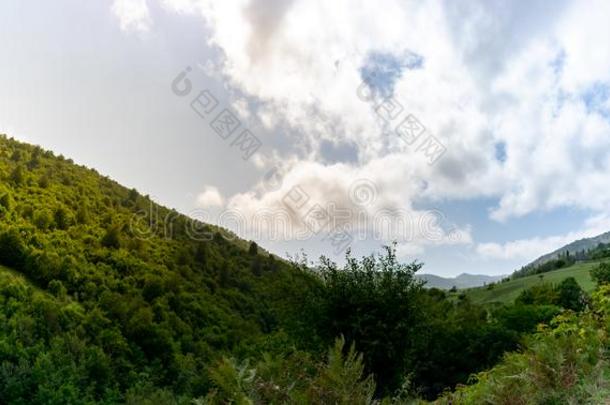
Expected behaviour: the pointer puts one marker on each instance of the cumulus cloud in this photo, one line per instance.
(265, 17)
(476, 75)
(524, 249)
(314, 199)
(532, 248)
(133, 15)
(210, 197)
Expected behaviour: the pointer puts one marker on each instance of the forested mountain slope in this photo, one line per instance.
(576, 252)
(139, 296)
(106, 297)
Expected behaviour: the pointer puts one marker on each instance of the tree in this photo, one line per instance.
(224, 274)
(82, 216)
(601, 274)
(61, 218)
(373, 302)
(201, 254)
(253, 251)
(571, 296)
(5, 200)
(16, 156)
(540, 294)
(133, 195)
(43, 182)
(12, 250)
(57, 288)
(256, 266)
(17, 176)
(112, 238)
(34, 162)
(43, 220)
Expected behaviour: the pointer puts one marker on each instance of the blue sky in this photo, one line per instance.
(485, 126)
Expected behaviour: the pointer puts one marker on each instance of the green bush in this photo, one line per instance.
(601, 274)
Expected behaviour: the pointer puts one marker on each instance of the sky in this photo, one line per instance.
(474, 134)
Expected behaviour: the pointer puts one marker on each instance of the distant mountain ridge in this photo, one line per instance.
(576, 246)
(464, 280)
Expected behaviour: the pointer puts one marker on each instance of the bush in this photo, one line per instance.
(112, 239)
(6, 202)
(12, 250)
(563, 363)
(43, 220)
(373, 302)
(601, 274)
(295, 379)
(571, 296)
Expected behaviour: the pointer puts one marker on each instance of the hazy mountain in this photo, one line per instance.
(462, 281)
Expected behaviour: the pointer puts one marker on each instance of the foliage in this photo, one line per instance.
(339, 380)
(566, 259)
(507, 291)
(601, 274)
(407, 332)
(135, 302)
(568, 294)
(107, 297)
(373, 302)
(565, 362)
(571, 296)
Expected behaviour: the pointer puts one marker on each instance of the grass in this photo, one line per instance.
(508, 291)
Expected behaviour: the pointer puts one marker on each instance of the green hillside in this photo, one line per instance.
(9, 276)
(161, 297)
(108, 298)
(508, 291)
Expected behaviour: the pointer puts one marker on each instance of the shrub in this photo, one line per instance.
(12, 250)
(112, 239)
(601, 274)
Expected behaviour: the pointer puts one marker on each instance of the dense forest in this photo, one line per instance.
(107, 297)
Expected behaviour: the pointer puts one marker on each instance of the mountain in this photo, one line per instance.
(108, 297)
(507, 291)
(462, 281)
(574, 247)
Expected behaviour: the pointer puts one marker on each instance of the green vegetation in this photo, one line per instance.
(567, 294)
(601, 273)
(106, 297)
(582, 251)
(563, 363)
(140, 301)
(507, 291)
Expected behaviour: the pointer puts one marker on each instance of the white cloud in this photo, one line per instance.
(531, 249)
(524, 249)
(210, 197)
(582, 33)
(133, 15)
(369, 201)
(493, 73)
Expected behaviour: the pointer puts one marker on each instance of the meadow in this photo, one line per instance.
(506, 292)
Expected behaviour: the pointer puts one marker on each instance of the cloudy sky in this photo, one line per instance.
(476, 134)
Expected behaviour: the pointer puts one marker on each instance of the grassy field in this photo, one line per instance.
(507, 292)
